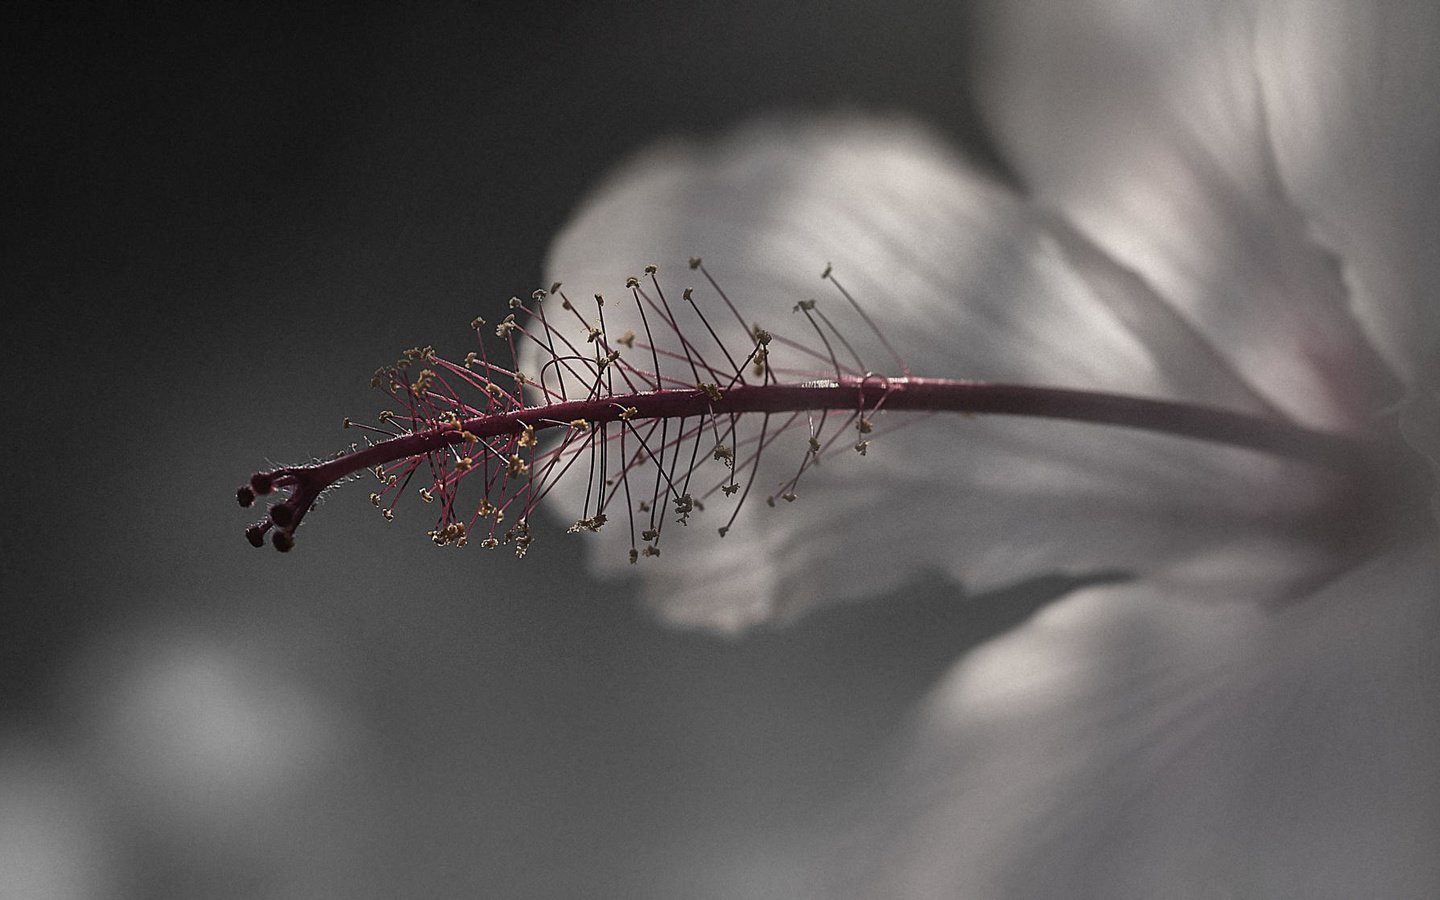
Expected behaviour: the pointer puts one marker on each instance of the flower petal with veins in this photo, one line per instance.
(1165, 133)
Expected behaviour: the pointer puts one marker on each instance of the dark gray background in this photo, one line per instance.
(222, 220)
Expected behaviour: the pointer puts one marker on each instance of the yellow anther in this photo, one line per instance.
(864, 425)
(591, 524)
(527, 436)
(477, 323)
(579, 425)
(651, 270)
(426, 495)
(695, 262)
(632, 282)
(464, 464)
(374, 499)
(806, 305)
(711, 390)
(517, 466)
(627, 413)
(627, 339)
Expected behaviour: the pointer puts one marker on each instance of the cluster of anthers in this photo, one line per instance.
(665, 421)
(662, 420)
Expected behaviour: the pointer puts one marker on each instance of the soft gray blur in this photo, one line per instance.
(221, 224)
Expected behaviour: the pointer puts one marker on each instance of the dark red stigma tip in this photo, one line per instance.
(283, 541)
(282, 515)
(262, 483)
(245, 494)
(255, 534)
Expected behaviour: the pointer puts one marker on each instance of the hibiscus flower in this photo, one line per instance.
(1225, 204)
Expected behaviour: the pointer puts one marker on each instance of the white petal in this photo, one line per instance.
(1147, 125)
(965, 282)
(1353, 94)
(1130, 744)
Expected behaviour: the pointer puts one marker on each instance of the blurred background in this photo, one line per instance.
(222, 219)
